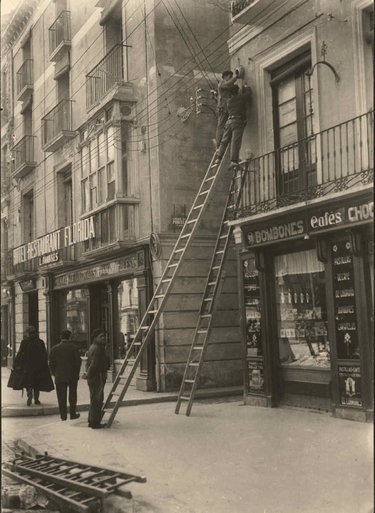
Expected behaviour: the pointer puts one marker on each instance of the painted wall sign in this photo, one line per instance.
(51, 242)
(51, 258)
(256, 376)
(350, 385)
(329, 218)
(344, 300)
(132, 263)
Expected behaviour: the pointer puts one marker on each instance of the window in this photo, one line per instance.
(301, 310)
(74, 316)
(65, 197)
(293, 125)
(28, 217)
(368, 50)
(98, 177)
(128, 315)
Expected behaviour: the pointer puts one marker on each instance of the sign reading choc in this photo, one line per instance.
(52, 242)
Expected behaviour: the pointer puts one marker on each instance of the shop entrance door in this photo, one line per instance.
(33, 319)
(99, 308)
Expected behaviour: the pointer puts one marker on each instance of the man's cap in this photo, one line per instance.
(96, 332)
(66, 334)
(227, 72)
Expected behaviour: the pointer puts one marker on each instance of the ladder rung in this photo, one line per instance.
(221, 251)
(173, 265)
(198, 206)
(206, 315)
(144, 327)
(167, 280)
(198, 348)
(212, 283)
(210, 178)
(223, 236)
(159, 296)
(204, 192)
(202, 331)
(152, 311)
(185, 236)
(179, 250)
(216, 267)
(185, 398)
(207, 299)
(191, 221)
(193, 364)
(188, 381)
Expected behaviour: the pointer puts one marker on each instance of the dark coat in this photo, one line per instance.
(32, 361)
(65, 362)
(97, 361)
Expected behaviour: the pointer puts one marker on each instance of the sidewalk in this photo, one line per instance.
(224, 458)
(14, 405)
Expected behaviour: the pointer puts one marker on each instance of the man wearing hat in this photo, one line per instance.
(97, 365)
(224, 93)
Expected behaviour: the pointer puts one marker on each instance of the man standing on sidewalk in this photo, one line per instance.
(96, 373)
(235, 125)
(65, 364)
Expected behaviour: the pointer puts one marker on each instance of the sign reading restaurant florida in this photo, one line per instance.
(52, 242)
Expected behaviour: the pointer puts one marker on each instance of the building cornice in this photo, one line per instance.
(18, 21)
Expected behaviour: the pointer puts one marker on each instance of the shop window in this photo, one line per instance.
(293, 125)
(128, 315)
(74, 315)
(253, 310)
(301, 310)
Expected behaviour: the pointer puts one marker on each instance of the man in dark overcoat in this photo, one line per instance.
(65, 364)
(32, 359)
(97, 365)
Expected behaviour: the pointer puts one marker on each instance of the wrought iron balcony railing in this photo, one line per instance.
(107, 73)
(25, 78)
(23, 154)
(331, 161)
(57, 126)
(59, 35)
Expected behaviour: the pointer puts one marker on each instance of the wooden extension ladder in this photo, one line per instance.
(212, 291)
(76, 486)
(150, 319)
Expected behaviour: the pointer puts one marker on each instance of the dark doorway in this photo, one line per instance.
(33, 310)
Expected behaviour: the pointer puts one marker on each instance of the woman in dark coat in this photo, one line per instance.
(32, 361)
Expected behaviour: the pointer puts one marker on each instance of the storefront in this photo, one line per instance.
(307, 302)
(111, 295)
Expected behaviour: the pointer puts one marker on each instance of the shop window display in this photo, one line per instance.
(301, 310)
(252, 306)
(127, 296)
(74, 312)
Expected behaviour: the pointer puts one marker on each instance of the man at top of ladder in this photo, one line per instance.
(235, 125)
(224, 93)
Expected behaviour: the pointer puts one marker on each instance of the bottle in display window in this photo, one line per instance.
(301, 310)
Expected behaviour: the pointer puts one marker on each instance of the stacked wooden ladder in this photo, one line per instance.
(212, 292)
(150, 319)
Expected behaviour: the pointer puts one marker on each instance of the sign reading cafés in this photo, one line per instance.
(313, 223)
(52, 242)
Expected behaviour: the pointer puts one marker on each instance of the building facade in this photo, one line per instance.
(104, 154)
(304, 228)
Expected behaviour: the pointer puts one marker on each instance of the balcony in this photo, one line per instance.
(105, 82)
(245, 11)
(25, 81)
(57, 126)
(331, 162)
(114, 229)
(23, 153)
(59, 36)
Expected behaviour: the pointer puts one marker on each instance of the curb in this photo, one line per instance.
(21, 411)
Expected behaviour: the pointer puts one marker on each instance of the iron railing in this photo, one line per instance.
(239, 5)
(59, 31)
(57, 120)
(23, 153)
(25, 75)
(330, 161)
(107, 73)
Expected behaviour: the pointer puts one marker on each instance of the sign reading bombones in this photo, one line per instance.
(312, 223)
(52, 242)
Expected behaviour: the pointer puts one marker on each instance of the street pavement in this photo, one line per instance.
(225, 458)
